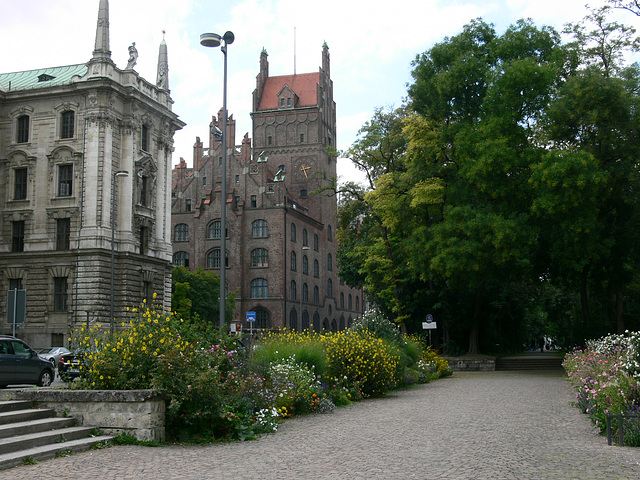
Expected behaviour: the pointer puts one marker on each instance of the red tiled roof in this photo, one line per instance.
(304, 85)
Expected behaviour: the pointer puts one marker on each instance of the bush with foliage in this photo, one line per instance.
(605, 375)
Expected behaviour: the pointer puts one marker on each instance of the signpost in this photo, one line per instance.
(16, 307)
(429, 325)
(251, 317)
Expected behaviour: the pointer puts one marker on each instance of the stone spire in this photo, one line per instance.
(162, 80)
(101, 50)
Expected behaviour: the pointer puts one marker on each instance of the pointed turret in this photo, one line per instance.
(325, 59)
(261, 79)
(162, 80)
(101, 50)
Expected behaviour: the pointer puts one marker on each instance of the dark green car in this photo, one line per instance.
(21, 365)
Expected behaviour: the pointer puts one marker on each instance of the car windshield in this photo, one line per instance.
(45, 350)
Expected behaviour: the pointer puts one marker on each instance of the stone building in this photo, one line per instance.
(281, 247)
(71, 137)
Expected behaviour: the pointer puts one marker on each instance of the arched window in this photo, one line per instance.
(293, 320)
(329, 288)
(214, 230)
(357, 303)
(305, 321)
(259, 257)
(259, 288)
(341, 300)
(181, 259)
(342, 325)
(294, 290)
(334, 324)
(293, 232)
(293, 261)
(329, 234)
(305, 265)
(349, 302)
(213, 259)
(262, 318)
(305, 238)
(329, 262)
(315, 242)
(181, 233)
(325, 325)
(259, 229)
(316, 269)
(305, 292)
(316, 295)
(316, 322)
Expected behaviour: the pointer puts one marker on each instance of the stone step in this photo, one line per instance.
(529, 363)
(34, 426)
(11, 405)
(12, 459)
(25, 415)
(33, 440)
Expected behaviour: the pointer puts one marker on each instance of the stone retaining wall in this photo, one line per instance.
(137, 412)
(472, 363)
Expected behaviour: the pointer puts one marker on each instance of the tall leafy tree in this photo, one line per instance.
(196, 294)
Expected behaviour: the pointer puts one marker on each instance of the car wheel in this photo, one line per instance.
(45, 379)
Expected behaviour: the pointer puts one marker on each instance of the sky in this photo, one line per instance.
(371, 45)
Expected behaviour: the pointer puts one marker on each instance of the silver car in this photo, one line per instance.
(53, 354)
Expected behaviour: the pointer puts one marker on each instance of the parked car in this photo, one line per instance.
(21, 365)
(69, 367)
(53, 354)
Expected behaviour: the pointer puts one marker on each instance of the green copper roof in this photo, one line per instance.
(41, 78)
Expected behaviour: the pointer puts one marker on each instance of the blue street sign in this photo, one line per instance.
(251, 316)
(429, 318)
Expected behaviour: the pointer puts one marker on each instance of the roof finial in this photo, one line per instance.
(101, 49)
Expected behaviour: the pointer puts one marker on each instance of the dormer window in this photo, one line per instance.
(289, 102)
(45, 78)
(282, 103)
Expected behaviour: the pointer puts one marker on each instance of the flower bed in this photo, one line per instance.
(606, 376)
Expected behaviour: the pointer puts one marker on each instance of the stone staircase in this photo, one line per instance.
(28, 434)
(530, 361)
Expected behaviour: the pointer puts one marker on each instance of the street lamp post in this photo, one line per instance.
(304, 248)
(119, 173)
(215, 40)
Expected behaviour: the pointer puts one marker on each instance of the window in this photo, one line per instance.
(329, 262)
(20, 184)
(188, 204)
(60, 294)
(144, 181)
(349, 302)
(269, 140)
(305, 265)
(17, 236)
(316, 295)
(204, 181)
(302, 138)
(259, 288)
(236, 201)
(305, 321)
(357, 304)
(305, 293)
(63, 233)
(181, 259)
(294, 266)
(259, 258)
(329, 288)
(294, 290)
(259, 229)
(293, 320)
(68, 124)
(214, 230)
(305, 238)
(288, 102)
(303, 193)
(144, 138)
(213, 259)
(23, 129)
(315, 242)
(237, 178)
(181, 233)
(316, 269)
(329, 234)
(262, 318)
(65, 180)
(15, 284)
(282, 102)
(293, 232)
(341, 300)
(254, 201)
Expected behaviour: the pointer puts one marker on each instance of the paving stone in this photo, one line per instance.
(473, 426)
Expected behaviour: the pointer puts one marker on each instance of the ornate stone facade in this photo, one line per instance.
(281, 244)
(64, 133)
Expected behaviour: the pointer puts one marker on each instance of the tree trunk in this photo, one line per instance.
(474, 333)
(620, 311)
(584, 295)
